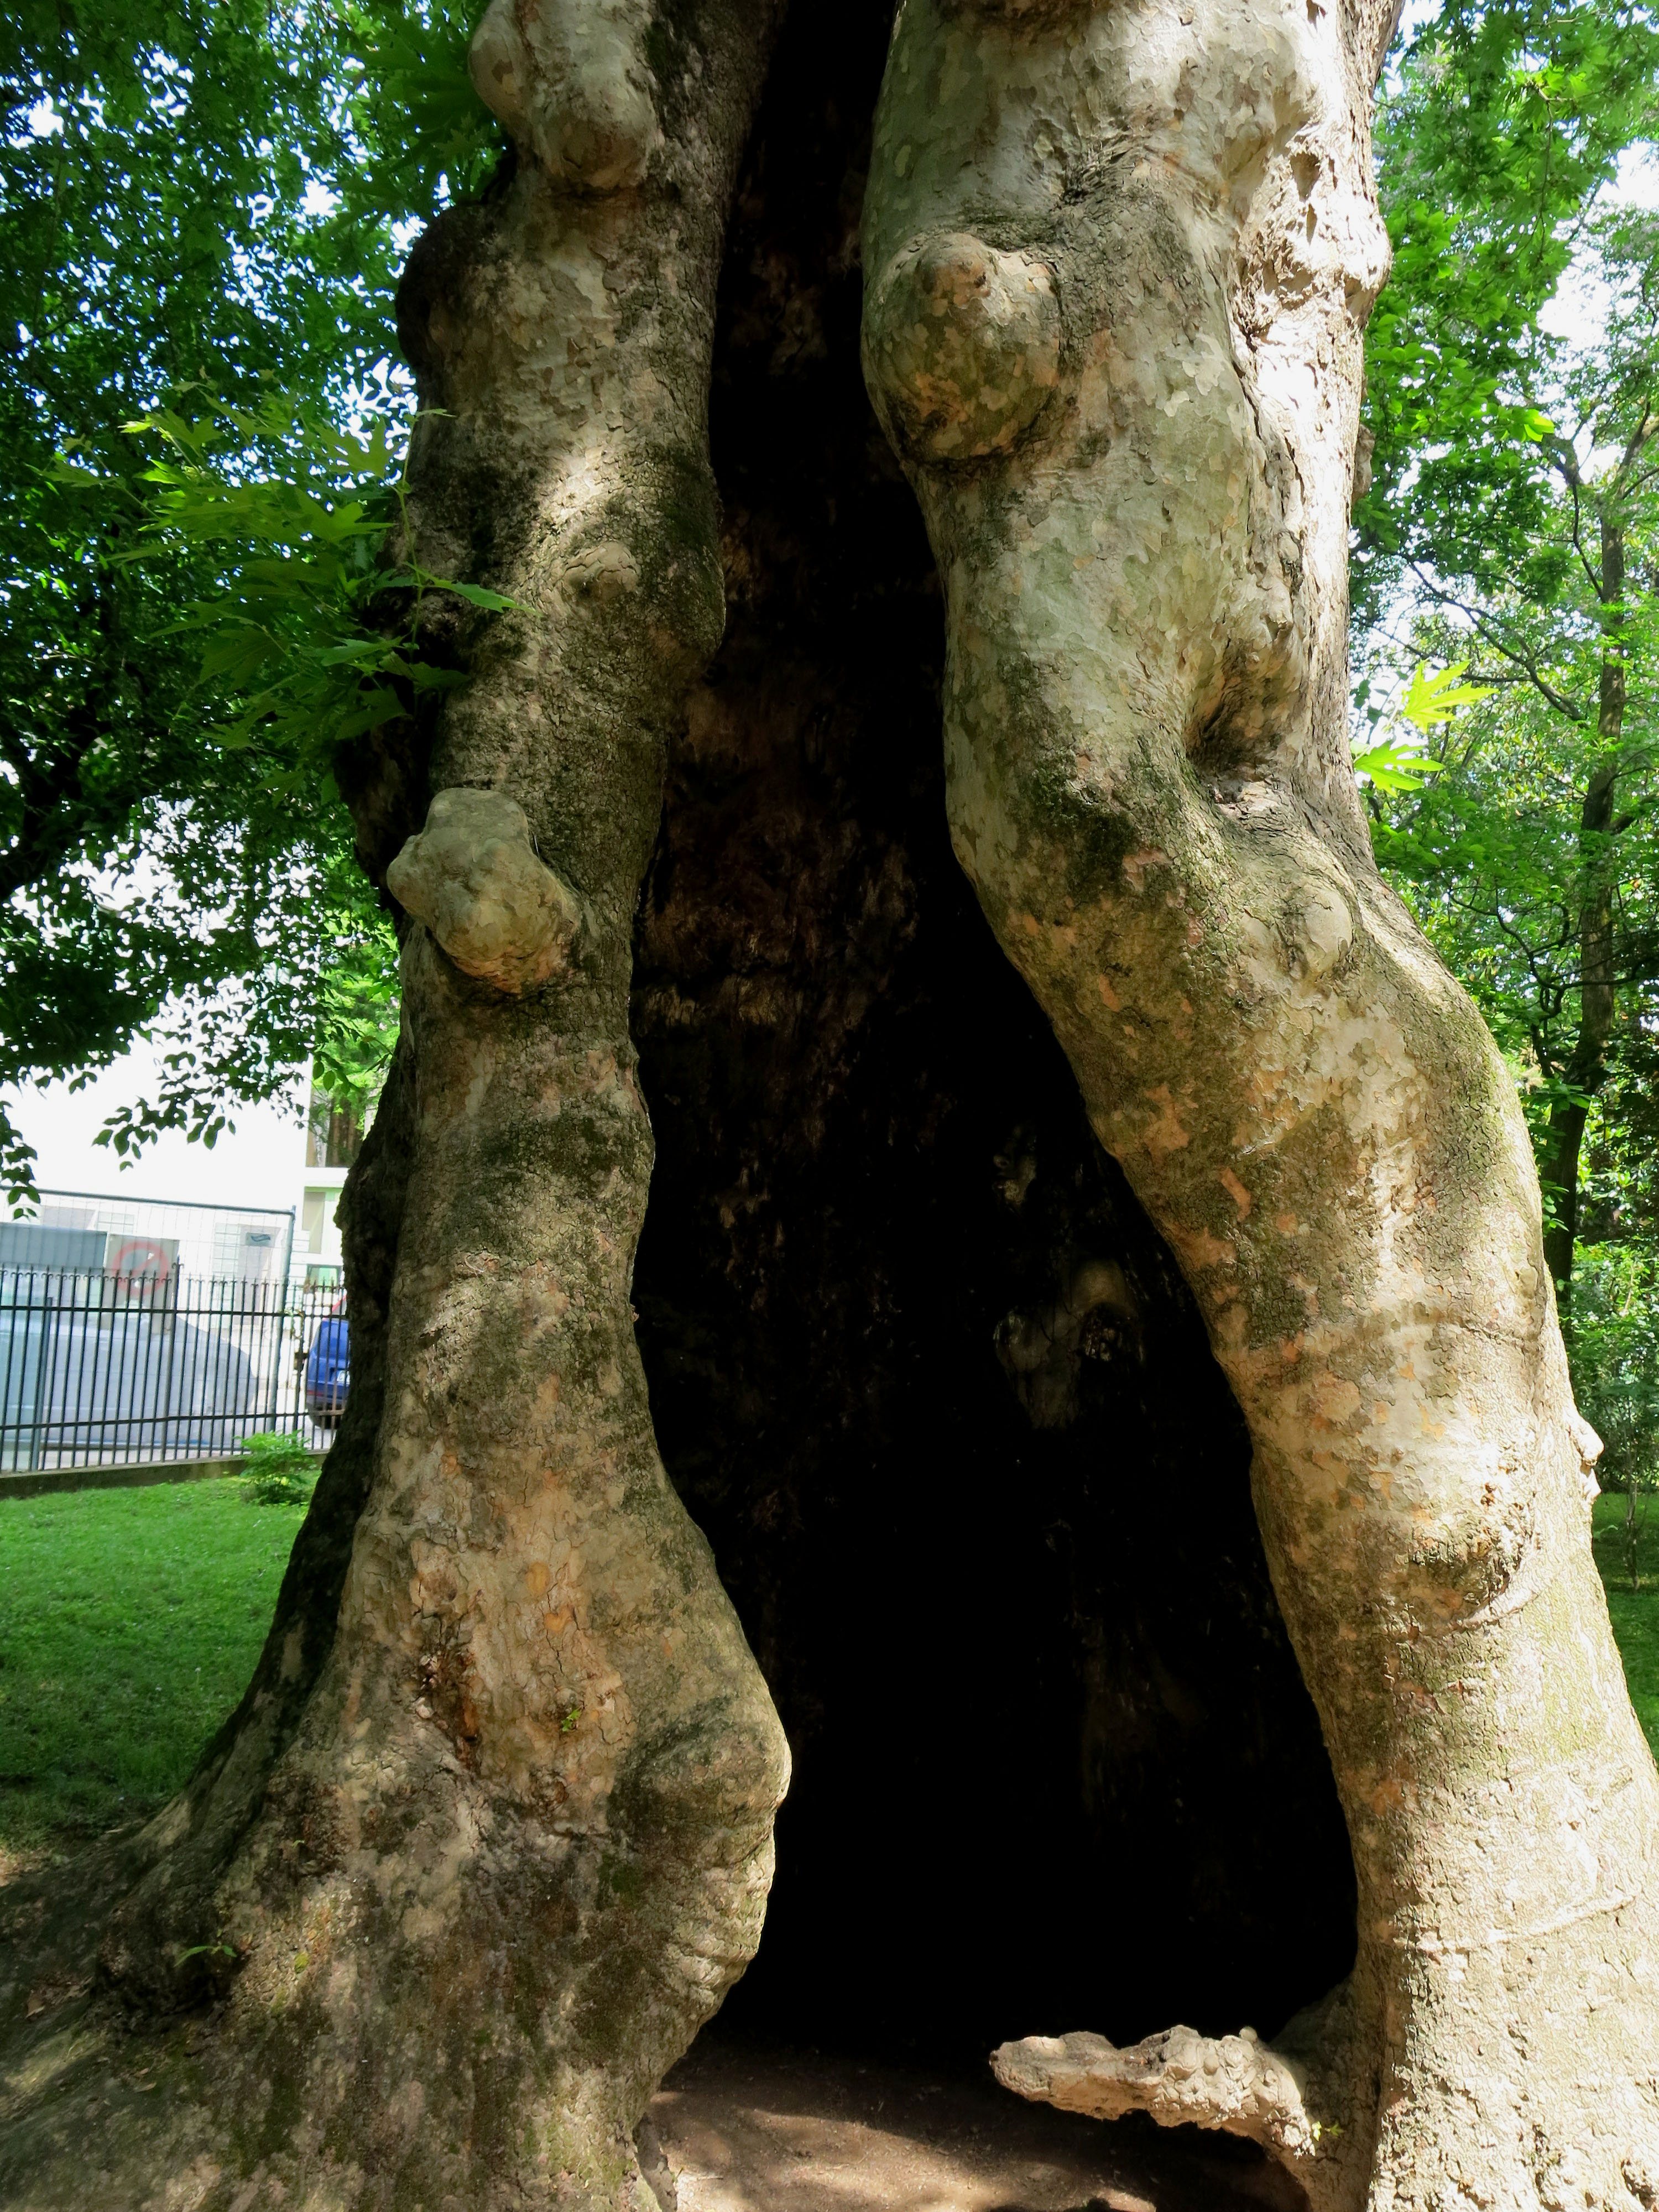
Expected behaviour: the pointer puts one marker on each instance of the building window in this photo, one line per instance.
(312, 1219)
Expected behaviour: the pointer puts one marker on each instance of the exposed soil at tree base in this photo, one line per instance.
(746, 2129)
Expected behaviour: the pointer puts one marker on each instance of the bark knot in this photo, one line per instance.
(962, 345)
(472, 877)
(1095, 1317)
(569, 79)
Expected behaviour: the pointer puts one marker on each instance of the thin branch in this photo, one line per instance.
(1522, 660)
(1577, 543)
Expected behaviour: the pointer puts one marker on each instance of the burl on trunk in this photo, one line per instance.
(1117, 264)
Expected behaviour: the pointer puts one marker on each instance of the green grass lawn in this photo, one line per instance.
(1635, 1612)
(129, 1621)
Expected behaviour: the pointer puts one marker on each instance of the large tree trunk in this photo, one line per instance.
(1118, 264)
(490, 1834)
(470, 1868)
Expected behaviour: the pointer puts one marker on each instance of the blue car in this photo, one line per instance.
(328, 1369)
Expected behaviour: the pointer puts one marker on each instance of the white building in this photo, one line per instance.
(333, 1138)
(273, 1159)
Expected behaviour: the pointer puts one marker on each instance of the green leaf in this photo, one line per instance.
(1394, 767)
(1433, 697)
(474, 594)
(64, 471)
(369, 711)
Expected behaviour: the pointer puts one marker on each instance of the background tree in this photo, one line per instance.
(1496, 133)
(195, 203)
(1534, 847)
(1507, 532)
(1509, 470)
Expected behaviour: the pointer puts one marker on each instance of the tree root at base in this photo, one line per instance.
(1286, 2097)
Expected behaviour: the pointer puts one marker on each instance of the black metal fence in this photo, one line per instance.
(106, 1369)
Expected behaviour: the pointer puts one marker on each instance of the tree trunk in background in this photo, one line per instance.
(1117, 271)
(1587, 1069)
(464, 1894)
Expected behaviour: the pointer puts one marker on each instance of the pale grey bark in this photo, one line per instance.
(519, 1843)
(1118, 261)
(456, 1914)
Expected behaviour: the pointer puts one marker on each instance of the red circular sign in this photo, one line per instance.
(140, 1265)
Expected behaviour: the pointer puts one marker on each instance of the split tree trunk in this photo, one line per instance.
(469, 1870)
(1117, 264)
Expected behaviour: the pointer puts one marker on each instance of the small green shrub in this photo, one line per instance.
(281, 1470)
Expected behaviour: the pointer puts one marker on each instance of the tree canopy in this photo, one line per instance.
(203, 212)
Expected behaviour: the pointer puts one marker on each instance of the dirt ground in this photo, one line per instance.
(749, 2129)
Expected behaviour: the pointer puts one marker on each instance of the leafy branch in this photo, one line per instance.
(1403, 763)
(301, 653)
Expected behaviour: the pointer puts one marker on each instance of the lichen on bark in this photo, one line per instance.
(1148, 784)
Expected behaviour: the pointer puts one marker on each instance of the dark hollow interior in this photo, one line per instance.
(1054, 1766)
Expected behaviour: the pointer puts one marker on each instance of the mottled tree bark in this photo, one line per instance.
(484, 1847)
(1118, 264)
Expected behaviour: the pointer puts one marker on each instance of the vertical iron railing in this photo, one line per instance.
(95, 1370)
